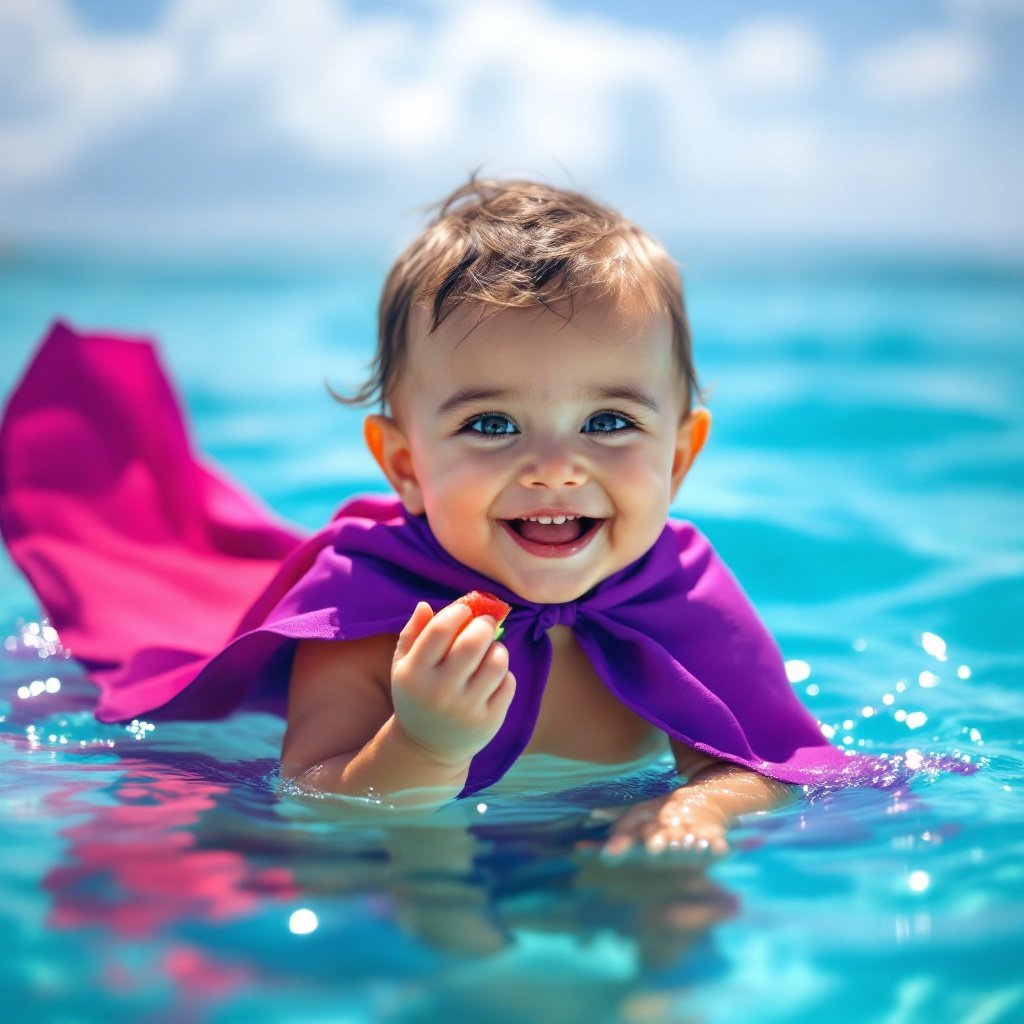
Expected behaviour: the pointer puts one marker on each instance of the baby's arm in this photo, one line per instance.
(697, 816)
(352, 730)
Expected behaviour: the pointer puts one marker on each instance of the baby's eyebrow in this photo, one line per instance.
(622, 392)
(469, 396)
(625, 393)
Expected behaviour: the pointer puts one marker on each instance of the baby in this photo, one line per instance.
(535, 373)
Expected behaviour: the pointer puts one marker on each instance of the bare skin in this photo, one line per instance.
(411, 711)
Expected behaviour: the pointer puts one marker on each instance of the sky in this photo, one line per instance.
(246, 124)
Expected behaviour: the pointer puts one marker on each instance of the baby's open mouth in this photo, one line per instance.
(553, 529)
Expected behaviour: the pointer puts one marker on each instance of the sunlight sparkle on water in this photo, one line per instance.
(39, 638)
(139, 729)
(918, 881)
(302, 922)
(964, 672)
(797, 671)
(928, 679)
(38, 686)
(934, 645)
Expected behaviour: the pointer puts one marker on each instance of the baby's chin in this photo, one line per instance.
(548, 597)
(547, 591)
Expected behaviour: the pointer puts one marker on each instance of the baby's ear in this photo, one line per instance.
(693, 432)
(388, 445)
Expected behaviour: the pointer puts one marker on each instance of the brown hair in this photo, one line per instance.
(519, 243)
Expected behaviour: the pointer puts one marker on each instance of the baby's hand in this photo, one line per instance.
(450, 683)
(680, 826)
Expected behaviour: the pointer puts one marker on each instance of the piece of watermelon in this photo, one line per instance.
(480, 602)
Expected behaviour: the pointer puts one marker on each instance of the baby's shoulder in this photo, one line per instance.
(369, 657)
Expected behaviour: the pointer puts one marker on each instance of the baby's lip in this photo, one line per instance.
(586, 529)
(551, 512)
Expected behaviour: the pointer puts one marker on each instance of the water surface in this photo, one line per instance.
(863, 480)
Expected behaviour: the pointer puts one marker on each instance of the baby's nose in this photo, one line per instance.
(553, 466)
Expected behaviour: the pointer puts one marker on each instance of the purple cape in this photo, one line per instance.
(184, 598)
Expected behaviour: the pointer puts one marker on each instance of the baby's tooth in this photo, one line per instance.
(558, 520)
(546, 520)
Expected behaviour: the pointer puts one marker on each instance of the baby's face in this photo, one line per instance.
(544, 453)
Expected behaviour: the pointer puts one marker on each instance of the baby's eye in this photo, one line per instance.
(491, 424)
(607, 423)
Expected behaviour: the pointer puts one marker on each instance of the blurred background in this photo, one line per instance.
(248, 125)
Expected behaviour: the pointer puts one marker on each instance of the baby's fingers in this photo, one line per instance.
(690, 844)
(637, 818)
(488, 675)
(667, 846)
(432, 643)
(422, 614)
(473, 648)
(501, 699)
(618, 846)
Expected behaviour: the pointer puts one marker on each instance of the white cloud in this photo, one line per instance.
(776, 56)
(309, 116)
(510, 80)
(510, 77)
(69, 90)
(922, 66)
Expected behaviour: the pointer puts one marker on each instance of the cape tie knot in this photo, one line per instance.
(554, 615)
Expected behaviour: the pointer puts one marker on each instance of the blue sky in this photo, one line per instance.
(220, 124)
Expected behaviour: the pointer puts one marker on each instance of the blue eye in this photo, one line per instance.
(607, 423)
(491, 424)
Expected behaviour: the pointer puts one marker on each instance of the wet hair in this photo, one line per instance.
(514, 244)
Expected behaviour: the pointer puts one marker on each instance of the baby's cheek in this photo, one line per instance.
(645, 488)
(644, 505)
(450, 485)
(457, 511)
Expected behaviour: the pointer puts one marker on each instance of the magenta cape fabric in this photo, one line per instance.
(183, 597)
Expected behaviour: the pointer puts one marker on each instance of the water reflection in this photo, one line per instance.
(189, 874)
(213, 889)
(136, 866)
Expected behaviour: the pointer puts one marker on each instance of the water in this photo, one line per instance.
(864, 481)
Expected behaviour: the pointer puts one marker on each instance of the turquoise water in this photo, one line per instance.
(864, 480)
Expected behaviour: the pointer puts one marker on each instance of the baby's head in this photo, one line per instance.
(534, 366)
(520, 244)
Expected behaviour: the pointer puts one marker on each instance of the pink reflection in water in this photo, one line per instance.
(134, 866)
